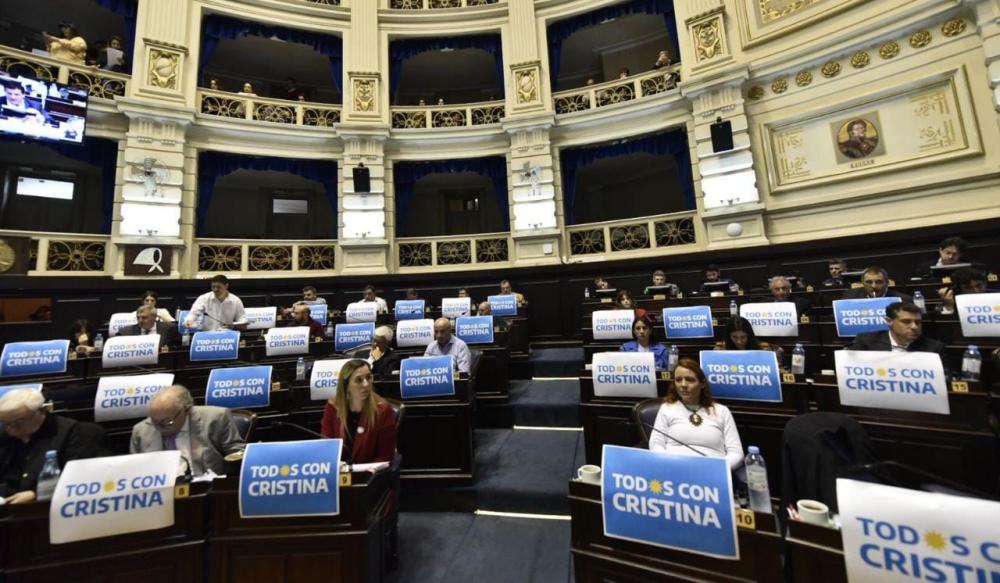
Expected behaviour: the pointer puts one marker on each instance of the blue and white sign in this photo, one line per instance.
(261, 318)
(105, 496)
(455, 307)
(182, 316)
(855, 317)
(287, 341)
(612, 324)
(475, 329)
(128, 397)
(409, 310)
(319, 313)
(215, 345)
(503, 305)
(681, 502)
(323, 380)
(362, 312)
(899, 535)
(131, 351)
(909, 381)
(414, 332)
(119, 321)
(239, 388)
(291, 478)
(30, 386)
(745, 375)
(426, 376)
(979, 314)
(624, 374)
(772, 318)
(34, 358)
(692, 322)
(348, 336)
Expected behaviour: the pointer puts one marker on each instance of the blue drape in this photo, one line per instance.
(214, 165)
(128, 10)
(400, 50)
(672, 143)
(215, 28)
(406, 174)
(563, 29)
(103, 154)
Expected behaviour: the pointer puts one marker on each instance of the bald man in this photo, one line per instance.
(446, 343)
(204, 435)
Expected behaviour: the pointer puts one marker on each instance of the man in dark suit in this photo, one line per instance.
(781, 291)
(837, 268)
(904, 335)
(146, 315)
(950, 252)
(875, 280)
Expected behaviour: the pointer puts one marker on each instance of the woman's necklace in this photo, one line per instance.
(694, 417)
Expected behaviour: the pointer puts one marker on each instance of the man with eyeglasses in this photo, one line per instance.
(204, 435)
(29, 431)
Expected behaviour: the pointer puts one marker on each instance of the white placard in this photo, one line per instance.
(891, 534)
(979, 314)
(455, 307)
(612, 324)
(106, 496)
(285, 341)
(772, 318)
(131, 351)
(323, 381)
(908, 381)
(128, 397)
(362, 312)
(119, 321)
(624, 374)
(261, 318)
(414, 332)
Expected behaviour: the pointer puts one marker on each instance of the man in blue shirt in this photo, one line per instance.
(446, 343)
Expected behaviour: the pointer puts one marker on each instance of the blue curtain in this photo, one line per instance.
(672, 143)
(214, 165)
(406, 174)
(128, 10)
(215, 28)
(103, 154)
(563, 29)
(400, 50)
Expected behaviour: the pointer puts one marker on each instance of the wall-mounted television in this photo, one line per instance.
(42, 110)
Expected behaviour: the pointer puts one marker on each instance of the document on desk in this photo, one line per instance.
(372, 467)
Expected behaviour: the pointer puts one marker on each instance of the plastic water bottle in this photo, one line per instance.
(760, 493)
(798, 359)
(971, 362)
(672, 356)
(186, 340)
(48, 477)
(918, 300)
(586, 293)
(99, 342)
(329, 330)
(300, 369)
(734, 310)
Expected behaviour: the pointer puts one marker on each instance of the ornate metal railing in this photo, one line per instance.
(252, 107)
(325, 2)
(65, 253)
(490, 248)
(447, 116)
(672, 230)
(97, 82)
(270, 256)
(617, 91)
(434, 4)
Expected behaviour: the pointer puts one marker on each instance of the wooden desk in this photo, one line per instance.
(815, 553)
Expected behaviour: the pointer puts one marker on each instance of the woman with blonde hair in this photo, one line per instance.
(365, 421)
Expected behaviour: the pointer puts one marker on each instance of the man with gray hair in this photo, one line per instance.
(148, 324)
(29, 431)
(204, 435)
(781, 291)
(384, 359)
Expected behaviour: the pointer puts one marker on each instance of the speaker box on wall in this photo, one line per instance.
(362, 179)
(722, 135)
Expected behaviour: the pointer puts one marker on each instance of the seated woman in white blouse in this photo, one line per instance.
(691, 415)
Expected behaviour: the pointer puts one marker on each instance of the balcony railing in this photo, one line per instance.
(489, 248)
(265, 256)
(436, 4)
(617, 91)
(65, 253)
(97, 82)
(670, 230)
(447, 116)
(252, 107)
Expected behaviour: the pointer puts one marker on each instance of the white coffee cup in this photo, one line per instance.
(813, 512)
(589, 473)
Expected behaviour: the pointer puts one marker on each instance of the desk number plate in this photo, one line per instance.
(345, 479)
(959, 387)
(746, 519)
(182, 490)
(787, 377)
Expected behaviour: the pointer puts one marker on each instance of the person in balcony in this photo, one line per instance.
(69, 46)
(213, 84)
(663, 60)
(623, 73)
(292, 91)
(247, 90)
(440, 100)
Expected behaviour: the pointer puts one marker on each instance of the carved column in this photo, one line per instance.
(988, 16)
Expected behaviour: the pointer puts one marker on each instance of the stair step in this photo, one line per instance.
(551, 403)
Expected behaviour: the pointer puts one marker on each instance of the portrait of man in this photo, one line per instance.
(858, 138)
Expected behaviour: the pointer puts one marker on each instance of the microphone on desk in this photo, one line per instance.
(667, 435)
(188, 475)
(301, 428)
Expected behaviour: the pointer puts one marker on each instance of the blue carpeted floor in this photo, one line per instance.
(557, 362)
(552, 403)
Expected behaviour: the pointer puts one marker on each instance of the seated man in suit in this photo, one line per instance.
(875, 282)
(30, 431)
(964, 280)
(781, 291)
(712, 276)
(837, 268)
(904, 335)
(659, 281)
(384, 359)
(15, 105)
(950, 252)
(148, 324)
(204, 435)
(447, 343)
(302, 316)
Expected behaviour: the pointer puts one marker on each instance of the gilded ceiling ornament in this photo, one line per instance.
(920, 39)
(527, 85)
(708, 39)
(889, 50)
(774, 9)
(803, 78)
(163, 69)
(364, 95)
(779, 85)
(831, 69)
(953, 27)
(756, 92)
(860, 59)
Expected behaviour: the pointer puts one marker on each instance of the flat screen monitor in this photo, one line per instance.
(42, 110)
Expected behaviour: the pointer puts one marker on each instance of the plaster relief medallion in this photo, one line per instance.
(756, 92)
(803, 78)
(858, 137)
(953, 27)
(889, 50)
(831, 69)
(527, 86)
(860, 59)
(920, 39)
(779, 85)
(163, 69)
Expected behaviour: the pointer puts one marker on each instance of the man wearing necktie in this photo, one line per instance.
(148, 324)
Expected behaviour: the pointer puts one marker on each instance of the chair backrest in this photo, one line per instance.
(245, 422)
(474, 357)
(644, 415)
(399, 409)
